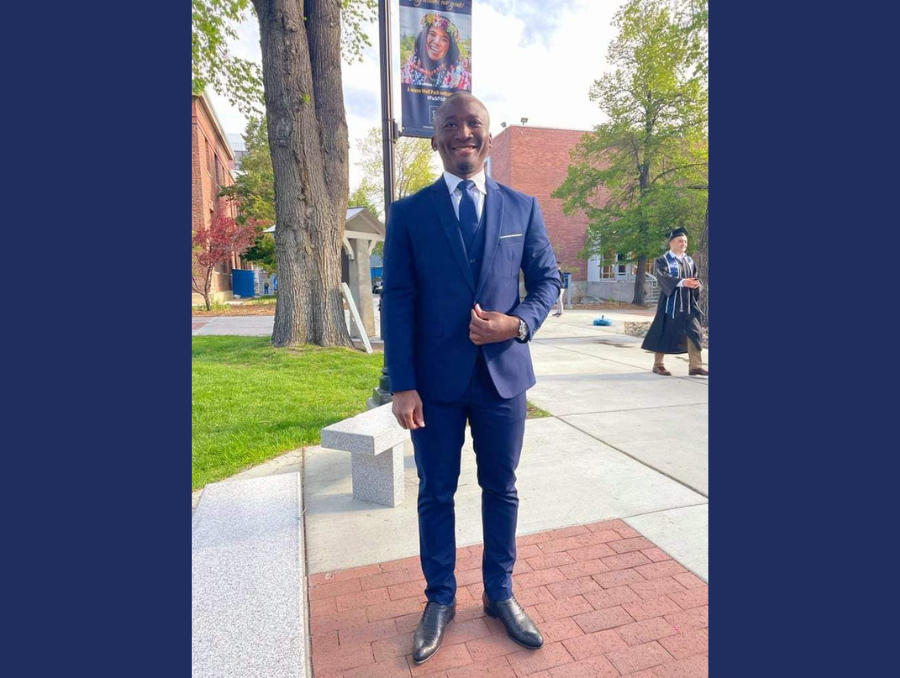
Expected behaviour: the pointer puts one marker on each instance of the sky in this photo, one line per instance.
(532, 59)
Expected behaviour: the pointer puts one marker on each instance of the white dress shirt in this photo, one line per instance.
(453, 182)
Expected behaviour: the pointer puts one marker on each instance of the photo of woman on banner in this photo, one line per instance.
(435, 60)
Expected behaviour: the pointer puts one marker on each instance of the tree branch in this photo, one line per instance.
(676, 169)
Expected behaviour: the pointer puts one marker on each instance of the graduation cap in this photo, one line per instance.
(677, 232)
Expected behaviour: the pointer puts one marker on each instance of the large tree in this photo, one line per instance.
(635, 176)
(301, 44)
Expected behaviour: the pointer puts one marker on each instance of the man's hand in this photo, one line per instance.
(692, 283)
(407, 408)
(489, 327)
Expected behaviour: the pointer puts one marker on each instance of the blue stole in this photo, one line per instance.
(676, 273)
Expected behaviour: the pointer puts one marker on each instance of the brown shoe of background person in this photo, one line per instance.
(659, 369)
(699, 372)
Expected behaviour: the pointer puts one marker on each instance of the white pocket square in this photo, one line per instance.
(514, 235)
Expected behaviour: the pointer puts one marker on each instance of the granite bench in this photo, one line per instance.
(375, 442)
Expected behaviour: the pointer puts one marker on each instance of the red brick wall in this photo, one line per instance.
(204, 189)
(535, 160)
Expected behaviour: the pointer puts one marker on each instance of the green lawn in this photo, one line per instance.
(214, 306)
(252, 402)
(265, 300)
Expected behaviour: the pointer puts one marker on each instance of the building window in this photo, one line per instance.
(621, 266)
(608, 267)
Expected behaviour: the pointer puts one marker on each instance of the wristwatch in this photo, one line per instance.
(523, 331)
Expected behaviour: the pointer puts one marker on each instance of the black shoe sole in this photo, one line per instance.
(527, 647)
(419, 663)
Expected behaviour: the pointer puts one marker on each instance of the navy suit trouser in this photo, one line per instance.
(498, 428)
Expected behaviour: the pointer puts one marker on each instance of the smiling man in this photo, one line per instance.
(456, 346)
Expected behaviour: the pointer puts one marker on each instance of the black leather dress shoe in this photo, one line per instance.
(518, 624)
(430, 632)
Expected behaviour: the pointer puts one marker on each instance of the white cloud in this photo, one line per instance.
(518, 69)
(548, 82)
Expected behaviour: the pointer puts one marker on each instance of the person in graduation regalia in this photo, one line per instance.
(676, 327)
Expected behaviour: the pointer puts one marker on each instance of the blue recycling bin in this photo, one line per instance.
(244, 284)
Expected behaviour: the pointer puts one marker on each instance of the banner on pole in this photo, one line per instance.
(435, 58)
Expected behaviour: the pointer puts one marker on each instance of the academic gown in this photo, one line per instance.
(677, 313)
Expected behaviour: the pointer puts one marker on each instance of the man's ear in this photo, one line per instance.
(433, 144)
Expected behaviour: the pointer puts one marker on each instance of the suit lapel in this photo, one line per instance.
(440, 196)
(493, 203)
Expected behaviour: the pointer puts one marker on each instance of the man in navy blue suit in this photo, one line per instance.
(456, 346)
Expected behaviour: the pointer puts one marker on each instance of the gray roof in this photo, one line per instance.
(365, 222)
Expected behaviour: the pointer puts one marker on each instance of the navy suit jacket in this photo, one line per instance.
(429, 291)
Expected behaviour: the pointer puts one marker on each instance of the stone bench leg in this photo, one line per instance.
(378, 479)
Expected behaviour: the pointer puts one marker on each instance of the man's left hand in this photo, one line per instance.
(489, 327)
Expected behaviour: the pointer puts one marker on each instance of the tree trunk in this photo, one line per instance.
(639, 279)
(309, 161)
(207, 288)
(643, 183)
(703, 267)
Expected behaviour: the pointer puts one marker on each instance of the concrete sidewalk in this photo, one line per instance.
(253, 325)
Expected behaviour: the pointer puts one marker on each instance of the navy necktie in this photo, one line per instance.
(468, 216)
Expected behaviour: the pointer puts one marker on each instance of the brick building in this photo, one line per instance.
(535, 160)
(212, 162)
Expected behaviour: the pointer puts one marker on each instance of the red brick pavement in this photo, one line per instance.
(609, 603)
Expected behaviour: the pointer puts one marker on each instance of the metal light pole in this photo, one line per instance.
(382, 394)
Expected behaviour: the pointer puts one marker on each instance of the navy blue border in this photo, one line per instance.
(800, 219)
(98, 420)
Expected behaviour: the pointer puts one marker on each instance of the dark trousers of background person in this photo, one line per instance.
(498, 429)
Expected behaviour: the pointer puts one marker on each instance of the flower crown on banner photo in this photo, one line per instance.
(441, 22)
